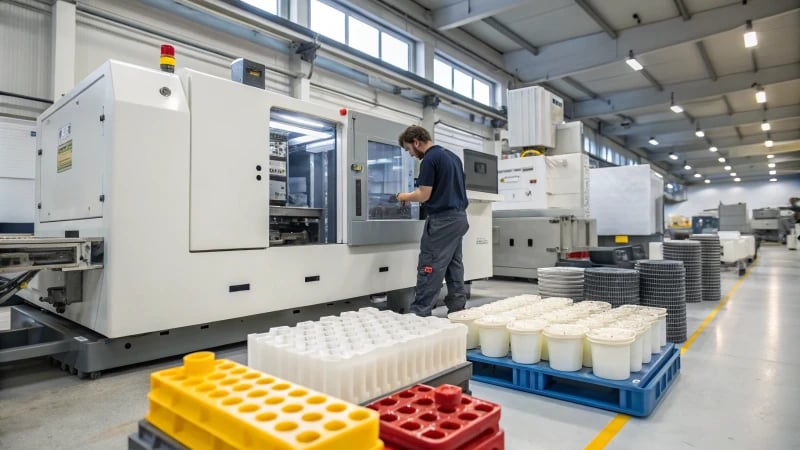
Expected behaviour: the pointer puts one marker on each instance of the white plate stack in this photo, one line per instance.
(564, 282)
(710, 256)
(690, 253)
(613, 285)
(663, 285)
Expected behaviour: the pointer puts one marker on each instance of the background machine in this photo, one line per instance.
(182, 211)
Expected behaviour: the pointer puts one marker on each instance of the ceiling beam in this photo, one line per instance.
(650, 78)
(598, 19)
(682, 9)
(701, 148)
(701, 48)
(507, 32)
(708, 122)
(728, 106)
(579, 86)
(755, 61)
(564, 58)
(468, 11)
(695, 90)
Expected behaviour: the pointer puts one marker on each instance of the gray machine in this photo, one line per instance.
(733, 218)
(525, 240)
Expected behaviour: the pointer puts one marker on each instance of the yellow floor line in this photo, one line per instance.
(618, 422)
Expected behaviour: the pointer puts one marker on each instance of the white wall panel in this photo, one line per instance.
(757, 194)
(17, 170)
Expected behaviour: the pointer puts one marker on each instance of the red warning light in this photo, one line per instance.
(343, 112)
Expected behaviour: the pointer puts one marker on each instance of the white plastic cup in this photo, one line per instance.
(526, 340)
(662, 322)
(650, 321)
(494, 337)
(468, 318)
(655, 331)
(565, 345)
(591, 323)
(611, 352)
(637, 346)
(592, 306)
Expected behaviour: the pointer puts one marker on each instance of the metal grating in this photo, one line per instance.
(608, 284)
(710, 257)
(663, 285)
(690, 253)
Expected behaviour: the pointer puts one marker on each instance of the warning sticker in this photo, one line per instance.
(65, 156)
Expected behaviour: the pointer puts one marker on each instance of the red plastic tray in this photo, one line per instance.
(487, 441)
(412, 419)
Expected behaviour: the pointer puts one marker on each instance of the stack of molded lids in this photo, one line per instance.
(690, 253)
(663, 284)
(710, 256)
(613, 285)
(564, 282)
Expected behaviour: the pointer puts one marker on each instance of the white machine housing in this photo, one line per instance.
(627, 200)
(165, 168)
(533, 114)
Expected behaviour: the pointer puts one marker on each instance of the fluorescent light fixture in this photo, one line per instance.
(750, 36)
(631, 61)
(673, 156)
(727, 167)
(699, 133)
(770, 156)
(676, 109)
(659, 175)
(721, 159)
(697, 175)
(670, 186)
(765, 126)
(761, 95)
(771, 165)
(769, 143)
(773, 172)
(687, 166)
(297, 129)
(298, 120)
(713, 149)
(707, 181)
(733, 174)
(653, 141)
(321, 146)
(737, 179)
(773, 179)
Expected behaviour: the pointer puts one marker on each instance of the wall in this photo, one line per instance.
(17, 171)
(757, 194)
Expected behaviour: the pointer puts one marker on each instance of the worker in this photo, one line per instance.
(440, 185)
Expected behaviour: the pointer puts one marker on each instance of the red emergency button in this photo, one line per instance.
(343, 112)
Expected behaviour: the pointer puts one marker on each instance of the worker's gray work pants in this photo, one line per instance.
(440, 259)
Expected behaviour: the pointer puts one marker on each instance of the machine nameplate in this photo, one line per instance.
(481, 241)
(64, 157)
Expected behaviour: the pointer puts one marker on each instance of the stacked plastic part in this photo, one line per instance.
(609, 284)
(561, 282)
(424, 418)
(690, 253)
(710, 254)
(663, 285)
(222, 405)
(359, 355)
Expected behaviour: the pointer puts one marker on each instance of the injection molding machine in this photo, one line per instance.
(182, 211)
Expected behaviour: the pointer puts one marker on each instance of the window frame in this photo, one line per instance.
(472, 73)
(281, 11)
(349, 12)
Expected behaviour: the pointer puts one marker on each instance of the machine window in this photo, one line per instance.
(390, 170)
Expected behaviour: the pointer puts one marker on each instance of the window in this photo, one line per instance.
(462, 81)
(270, 6)
(361, 34)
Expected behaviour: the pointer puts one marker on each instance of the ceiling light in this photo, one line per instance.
(673, 156)
(713, 149)
(750, 36)
(773, 172)
(771, 165)
(721, 159)
(697, 175)
(670, 186)
(773, 179)
(770, 156)
(765, 126)
(675, 108)
(737, 179)
(699, 133)
(707, 181)
(687, 166)
(653, 141)
(761, 95)
(631, 61)
(733, 174)
(769, 143)
(727, 167)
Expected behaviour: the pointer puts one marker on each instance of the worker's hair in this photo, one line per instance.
(414, 132)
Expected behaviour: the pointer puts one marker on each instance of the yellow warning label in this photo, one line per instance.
(65, 156)
(620, 239)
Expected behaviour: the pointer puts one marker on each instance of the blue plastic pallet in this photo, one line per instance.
(637, 396)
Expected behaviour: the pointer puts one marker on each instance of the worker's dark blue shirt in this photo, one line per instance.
(442, 170)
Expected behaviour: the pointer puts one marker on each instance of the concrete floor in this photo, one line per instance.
(737, 387)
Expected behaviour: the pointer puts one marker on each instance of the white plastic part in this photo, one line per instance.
(662, 322)
(557, 301)
(593, 306)
(526, 340)
(494, 337)
(611, 352)
(565, 346)
(638, 345)
(650, 322)
(468, 318)
(591, 323)
(655, 330)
